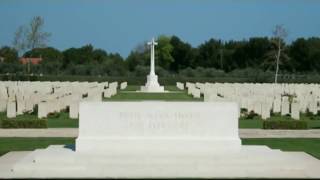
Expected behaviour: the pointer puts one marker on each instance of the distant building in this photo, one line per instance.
(30, 60)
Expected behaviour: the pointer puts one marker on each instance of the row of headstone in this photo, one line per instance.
(123, 85)
(262, 99)
(180, 85)
(193, 90)
(19, 97)
(111, 90)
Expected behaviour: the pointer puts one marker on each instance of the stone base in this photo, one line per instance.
(250, 162)
(152, 84)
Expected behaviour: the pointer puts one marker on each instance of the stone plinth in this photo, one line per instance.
(152, 84)
(158, 140)
(158, 128)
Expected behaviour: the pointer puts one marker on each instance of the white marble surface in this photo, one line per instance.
(159, 140)
(158, 127)
(152, 84)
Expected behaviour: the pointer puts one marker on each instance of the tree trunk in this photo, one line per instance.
(278, 58)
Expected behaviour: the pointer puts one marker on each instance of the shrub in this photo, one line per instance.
(285, 124)
(53, 115)
(7, 123)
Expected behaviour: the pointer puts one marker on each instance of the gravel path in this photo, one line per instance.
(244, 133)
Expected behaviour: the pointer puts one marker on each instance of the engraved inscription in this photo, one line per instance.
(158, 121)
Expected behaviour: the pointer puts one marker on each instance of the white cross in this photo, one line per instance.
(152, 44)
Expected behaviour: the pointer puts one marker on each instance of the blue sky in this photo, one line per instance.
(120, 25)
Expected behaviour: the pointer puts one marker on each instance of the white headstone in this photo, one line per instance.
(74, 110)
(285, 106)
(11, 109)
(295, 112)
(43, 109)
(123, 85)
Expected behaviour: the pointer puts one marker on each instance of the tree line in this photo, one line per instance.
(174, 56)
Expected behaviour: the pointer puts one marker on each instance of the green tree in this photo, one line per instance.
(163, 52)
(182, 53)
(208, 54)
(140, 56)
(82, 55)
(51, 59)
(305, 54)
(8, 55)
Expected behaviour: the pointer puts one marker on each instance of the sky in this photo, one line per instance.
(118, 26)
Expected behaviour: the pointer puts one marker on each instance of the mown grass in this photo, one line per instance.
(129, 94)
(137, 88)
(152, 96)
(308, 145)
(29, 144)
(62, 120)
(257, 123)
(57, 120)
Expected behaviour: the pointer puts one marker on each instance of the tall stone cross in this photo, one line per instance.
(152, 44)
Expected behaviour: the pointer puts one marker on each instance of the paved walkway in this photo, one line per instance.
(244, 133)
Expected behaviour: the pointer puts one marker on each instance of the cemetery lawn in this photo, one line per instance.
(308, 145)
(257, 123)
(129, 94)
(136, 88)
(62, 120)
(29, 144)
(58, 120)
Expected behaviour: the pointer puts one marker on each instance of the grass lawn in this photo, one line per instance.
(62, 120)
(152, 96)
(58, 120)
(136, 88)
(257, 122)
(28, 144)
(308, 145)
(128, 94)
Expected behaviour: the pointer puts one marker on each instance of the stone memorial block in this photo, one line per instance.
(3, 105)
(251, 104)
(295, 110)
(94, 96)
(74, 110)
(285, 106)
(29, 105)
(43, 110)
(180, 85)
(188, 84)
(161, 128)
(11, 108)
(107, 93)
(257, 107)
(265, 110)
(159, 140)
(313, 105)
(113, 85)
(196, 93)
(277, 104)
(123, 85)
(190, 88)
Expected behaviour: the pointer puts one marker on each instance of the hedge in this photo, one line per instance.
(41, 123)
(285, 124)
